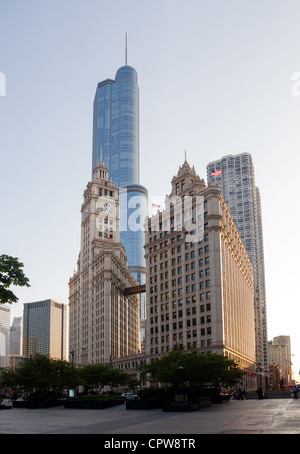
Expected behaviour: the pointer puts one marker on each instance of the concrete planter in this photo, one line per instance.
(37, 403)
(143, 404)
(92, 404)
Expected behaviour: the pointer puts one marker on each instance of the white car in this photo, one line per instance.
(129, 396)
(6, 403)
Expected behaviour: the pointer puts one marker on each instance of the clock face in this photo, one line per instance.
(105, 208)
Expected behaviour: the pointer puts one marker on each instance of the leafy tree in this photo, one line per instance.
(11, 273)
(100, 375)
(45, 376)
(192, 368)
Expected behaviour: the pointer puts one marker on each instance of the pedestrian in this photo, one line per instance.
(244, 393)
(260, 392)
(240, 394)
(295, 391)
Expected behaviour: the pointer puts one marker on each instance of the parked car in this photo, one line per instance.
(6, 403)
(129, 396)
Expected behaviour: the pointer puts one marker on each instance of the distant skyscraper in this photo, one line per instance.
(116, 127)
(16, 336)
(44, 329)
(4, 335)
(116, 143)
(285, 341)
(234, 175)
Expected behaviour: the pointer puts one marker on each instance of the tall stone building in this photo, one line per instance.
(235, 176)
(104, 321)
(283, 343)
(199, 278)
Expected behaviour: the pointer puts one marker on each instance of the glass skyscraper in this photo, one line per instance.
(234, 174)
(116, 143)
(116, 126)
(44, 329)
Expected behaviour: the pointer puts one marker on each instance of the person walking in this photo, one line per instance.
(260, 392)
(295, 391)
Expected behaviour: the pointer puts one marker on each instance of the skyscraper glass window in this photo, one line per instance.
(44, 329)
(116, 142)
(116, 127)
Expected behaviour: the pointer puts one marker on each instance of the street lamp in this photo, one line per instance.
(72, 353)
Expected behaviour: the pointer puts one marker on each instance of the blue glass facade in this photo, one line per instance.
(116, 126)
(116, 142)
(133, 212)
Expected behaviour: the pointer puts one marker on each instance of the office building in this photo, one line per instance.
(234, 175)
(104, 320)
(116, 143)
(44, 329)
(278, 364)
(4, 335)
(284, 343)
(116, 127)
(16, 336)
(199, 284)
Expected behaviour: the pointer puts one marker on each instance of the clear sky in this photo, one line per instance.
(215, 78)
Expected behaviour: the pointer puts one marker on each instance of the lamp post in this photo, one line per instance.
(180, 385)
(72, 353)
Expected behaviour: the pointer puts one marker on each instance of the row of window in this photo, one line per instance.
(189, 345)
(180, 258)
(188, 266)
(188, 289)
(179, 303)
(179, 314)
(179, 336)
(179, 280)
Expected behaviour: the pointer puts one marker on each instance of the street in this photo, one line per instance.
(267, 416)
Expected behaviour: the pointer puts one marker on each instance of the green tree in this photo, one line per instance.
(42, 376)
(100, 375)
(11, 273)
(193, 368)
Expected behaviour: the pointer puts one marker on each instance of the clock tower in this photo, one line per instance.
(104, 322)
(101, 206)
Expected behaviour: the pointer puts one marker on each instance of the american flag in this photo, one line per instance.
(216, 172)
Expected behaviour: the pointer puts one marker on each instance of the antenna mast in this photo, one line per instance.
(126, 49)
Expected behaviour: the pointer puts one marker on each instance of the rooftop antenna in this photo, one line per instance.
(125, 49)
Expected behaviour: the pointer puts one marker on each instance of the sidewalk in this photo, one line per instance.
(269, 416)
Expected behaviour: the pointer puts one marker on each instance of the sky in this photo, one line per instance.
(215, 77)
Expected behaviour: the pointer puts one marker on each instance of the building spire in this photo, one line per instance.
(125, 49)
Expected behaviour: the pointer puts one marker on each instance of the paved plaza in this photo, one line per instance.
(268, 416)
